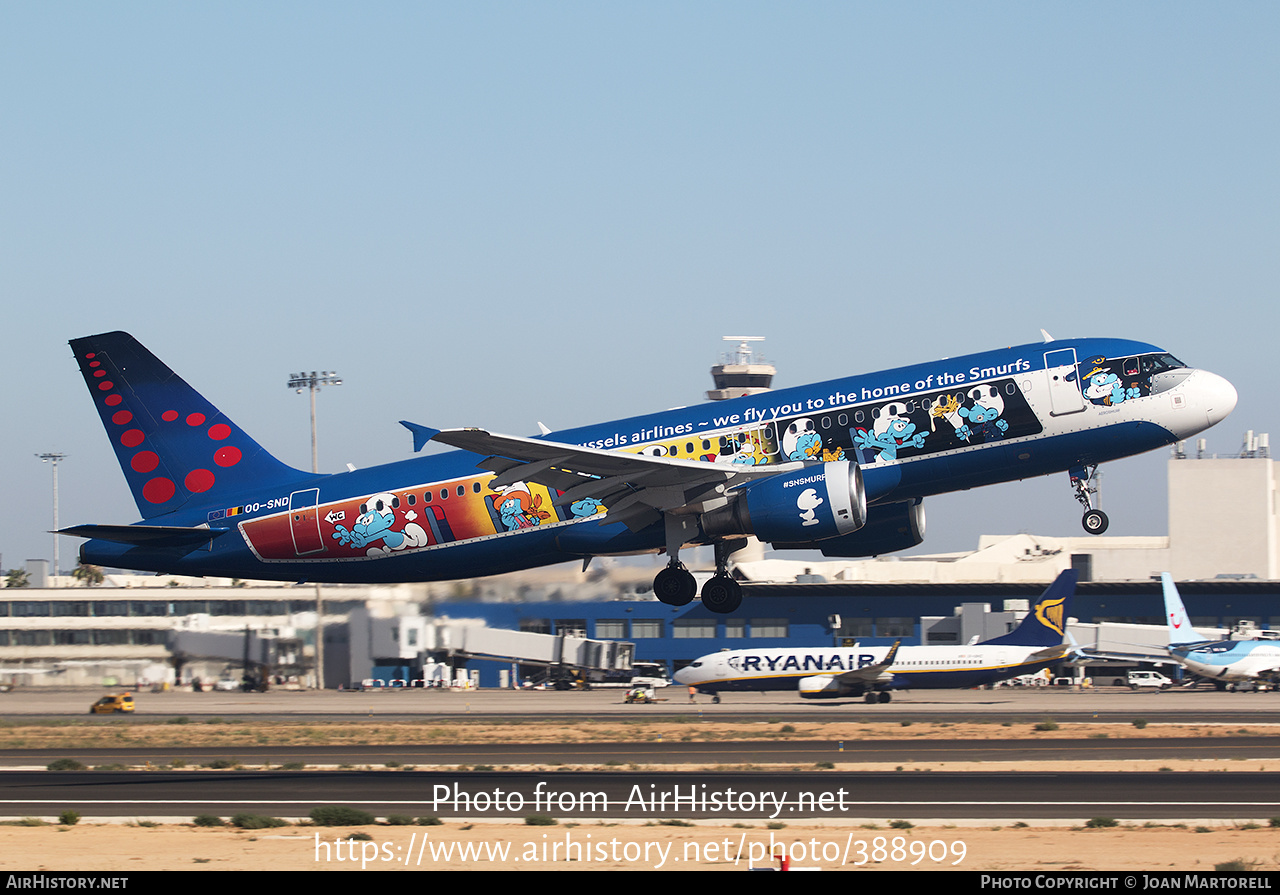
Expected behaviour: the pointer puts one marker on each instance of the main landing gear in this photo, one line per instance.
(721, 593)
(675, 586)
(871, 697)
(1084, 479)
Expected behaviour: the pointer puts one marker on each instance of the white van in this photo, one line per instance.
(1144, 679)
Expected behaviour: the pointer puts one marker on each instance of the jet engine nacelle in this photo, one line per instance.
(823, 686)
(896, 526)
(811, 504)
(891, 527)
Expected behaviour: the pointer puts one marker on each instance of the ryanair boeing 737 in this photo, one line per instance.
(841, 466)
(872, 672)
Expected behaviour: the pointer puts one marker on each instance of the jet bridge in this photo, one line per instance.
(416, 643)
(260, 653)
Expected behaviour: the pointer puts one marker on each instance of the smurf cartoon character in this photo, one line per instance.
(892, 430)
(588, 506)
(1105, 389)
(801, 440)
(518, 509)
(807, 503)
(746, 451)
(984, 416)
(377, 516)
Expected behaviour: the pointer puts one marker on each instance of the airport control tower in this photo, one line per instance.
(741, 372)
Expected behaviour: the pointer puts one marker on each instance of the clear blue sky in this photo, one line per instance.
(497, 213)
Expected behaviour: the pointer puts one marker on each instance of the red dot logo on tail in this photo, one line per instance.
(158, 490)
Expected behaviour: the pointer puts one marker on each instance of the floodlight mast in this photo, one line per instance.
(313, 382)
(53, 457)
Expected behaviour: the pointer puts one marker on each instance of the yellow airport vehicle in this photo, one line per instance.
(113, 703)
(641, 695)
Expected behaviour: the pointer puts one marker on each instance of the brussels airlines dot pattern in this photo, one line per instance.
(172, 444)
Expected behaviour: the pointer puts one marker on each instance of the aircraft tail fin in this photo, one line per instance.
(1046, 623)
(172, 444)
(1175, 614)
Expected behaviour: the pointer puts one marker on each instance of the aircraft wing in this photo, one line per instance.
(1157, 654)
(634, 488)
(872, 674)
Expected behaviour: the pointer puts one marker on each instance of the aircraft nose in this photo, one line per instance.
(682, 676)
(1219, 396)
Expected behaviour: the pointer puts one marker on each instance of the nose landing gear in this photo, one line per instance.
(1084, 479)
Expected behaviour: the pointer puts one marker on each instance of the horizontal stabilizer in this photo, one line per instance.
(151, 535)
(421, 434)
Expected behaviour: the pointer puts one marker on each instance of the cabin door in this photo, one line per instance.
(1065, 395)
(304, 522)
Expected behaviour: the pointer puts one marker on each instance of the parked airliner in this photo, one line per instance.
(842, 466)
(1224, 661)
(871, 672)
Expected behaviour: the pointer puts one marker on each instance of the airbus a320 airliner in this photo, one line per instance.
(841, 466)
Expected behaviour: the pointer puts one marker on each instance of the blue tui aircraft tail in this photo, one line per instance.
(172, 444)
(1046, 623)
(1175, 615)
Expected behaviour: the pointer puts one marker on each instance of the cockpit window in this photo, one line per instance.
(1159, 363)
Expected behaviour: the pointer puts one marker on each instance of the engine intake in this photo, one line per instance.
(822, 686)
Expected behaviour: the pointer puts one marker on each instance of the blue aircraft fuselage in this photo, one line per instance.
(912, 432)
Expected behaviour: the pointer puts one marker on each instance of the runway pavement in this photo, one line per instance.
(1106, 704)
(729, 795)
(1018, 795)
(783, 752)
